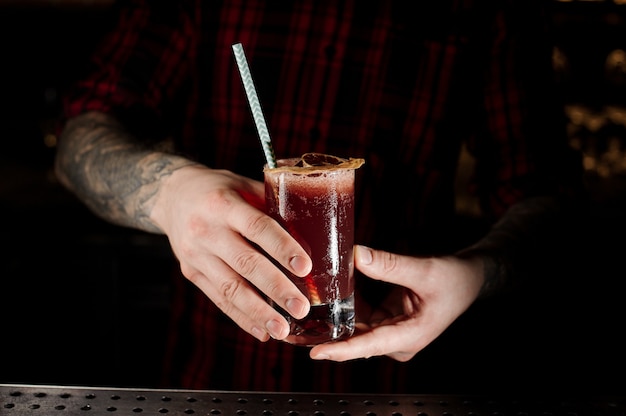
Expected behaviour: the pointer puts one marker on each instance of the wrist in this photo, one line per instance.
(495, 270)
(175, 174)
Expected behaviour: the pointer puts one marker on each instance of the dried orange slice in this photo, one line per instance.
(320, 159)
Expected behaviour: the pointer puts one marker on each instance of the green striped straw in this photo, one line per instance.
(255, 105)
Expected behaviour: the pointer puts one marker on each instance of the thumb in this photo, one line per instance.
(377, 264)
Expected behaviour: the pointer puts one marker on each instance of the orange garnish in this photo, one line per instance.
(313, 295)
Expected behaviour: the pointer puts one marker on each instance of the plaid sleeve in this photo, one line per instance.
(140, 66)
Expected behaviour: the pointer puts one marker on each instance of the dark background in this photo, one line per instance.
(84, 302)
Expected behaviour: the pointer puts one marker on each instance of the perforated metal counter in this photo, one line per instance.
(66, 400)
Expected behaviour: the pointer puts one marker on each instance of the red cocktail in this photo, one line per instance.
(313, 198)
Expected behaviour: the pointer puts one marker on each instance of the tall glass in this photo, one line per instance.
(313, 198)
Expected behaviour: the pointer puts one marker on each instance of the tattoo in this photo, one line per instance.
(510, 247)
(115, 175)
(495, 275)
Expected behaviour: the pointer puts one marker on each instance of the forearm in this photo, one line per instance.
(113, 174)
(518, 242)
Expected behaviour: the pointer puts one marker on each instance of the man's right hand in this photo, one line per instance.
(211, 218)
(214, 219)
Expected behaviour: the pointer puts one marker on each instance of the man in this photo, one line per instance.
(159, 137)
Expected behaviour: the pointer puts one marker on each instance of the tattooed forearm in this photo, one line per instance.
(509, 247)
(113, 174)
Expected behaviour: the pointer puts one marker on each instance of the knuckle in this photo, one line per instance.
(255, 313)
(225, 307)
(192, 275)
(389, 262)
(196, 228)
(186, 251)
(273, 289)
(229, 290)
(219, 200)
(246, 263)
(377, 351)
(257, 224)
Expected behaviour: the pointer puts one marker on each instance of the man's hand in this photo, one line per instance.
(215, 226)
(213, 219)
(430, 294)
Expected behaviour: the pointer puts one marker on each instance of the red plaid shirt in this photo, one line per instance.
(401, 84)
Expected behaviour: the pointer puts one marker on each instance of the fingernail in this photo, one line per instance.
(320, 357)
(299, 265)
(364, 254)
(274, 328)
(296, 308)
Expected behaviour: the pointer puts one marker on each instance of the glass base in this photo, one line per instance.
(328, 322)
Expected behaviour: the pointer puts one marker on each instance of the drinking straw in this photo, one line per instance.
(264, 135)
(255, 105)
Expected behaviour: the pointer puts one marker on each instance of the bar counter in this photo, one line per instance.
(17, 399)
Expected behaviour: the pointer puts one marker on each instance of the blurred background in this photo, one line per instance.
(84, 302)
